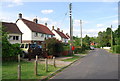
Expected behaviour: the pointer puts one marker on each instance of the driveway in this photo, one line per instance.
(98, 64)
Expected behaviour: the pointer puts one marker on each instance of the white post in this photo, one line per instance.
(36, 64)
(19, 58)
(54, 62)
(36, 58)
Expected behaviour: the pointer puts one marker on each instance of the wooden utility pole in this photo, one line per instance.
(71, 29)
(81, 31)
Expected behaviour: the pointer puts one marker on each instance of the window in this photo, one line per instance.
(22, 46)
(47, 36)
(42, 35)
(13, 37)
(26, 46)
(10, 37)
(36, 34)
(17, 37)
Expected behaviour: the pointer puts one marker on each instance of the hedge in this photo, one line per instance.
(116, 48)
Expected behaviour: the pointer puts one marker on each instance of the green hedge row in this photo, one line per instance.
(81, 49)
(116, 48)
(10, 50)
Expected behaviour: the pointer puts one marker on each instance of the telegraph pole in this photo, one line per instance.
(71, 29)
(81, 31)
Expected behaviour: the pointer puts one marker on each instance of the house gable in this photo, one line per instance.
(27, 33)
(14, 34)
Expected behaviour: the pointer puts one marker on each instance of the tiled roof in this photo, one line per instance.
(37, 27)
(67, 36)
(61, 34)
(11, 28)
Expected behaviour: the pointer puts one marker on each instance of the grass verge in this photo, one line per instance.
(9, 70)
(74, 57)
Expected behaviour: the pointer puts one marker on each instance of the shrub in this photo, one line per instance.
(9, 50)
(116, 48)
(82, 49)
(78, 50)
(54, 46)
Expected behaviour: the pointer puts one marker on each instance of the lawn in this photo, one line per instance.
(74, 57)
(9, 70)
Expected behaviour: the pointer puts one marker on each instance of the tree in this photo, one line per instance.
(117, 36)
(8, 50)
(105, 38)
(86, 40)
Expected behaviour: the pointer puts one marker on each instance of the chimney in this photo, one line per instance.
(45, 24)
(52, 27)
(20, 16)
(58, 29)
(35, 20)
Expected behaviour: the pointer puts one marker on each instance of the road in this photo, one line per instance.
(98, 64)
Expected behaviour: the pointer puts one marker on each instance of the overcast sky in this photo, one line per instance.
(96, 16)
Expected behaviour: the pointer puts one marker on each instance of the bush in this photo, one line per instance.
(78, 50)
(116, 48)
(82, 49)
(10, 50)
(54, 46)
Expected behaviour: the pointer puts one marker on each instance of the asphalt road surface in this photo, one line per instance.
(98, 64)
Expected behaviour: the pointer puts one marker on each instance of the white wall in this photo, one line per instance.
(14, 41)
(107, 48)
(57, 36)
(27, 33)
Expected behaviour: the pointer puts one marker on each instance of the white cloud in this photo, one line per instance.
(5, 17)
(44, 19)
(109, 17)
(89, 32)
(100, 25)
(115, 22)
(13, 3)
(77, 22)
(46, 11)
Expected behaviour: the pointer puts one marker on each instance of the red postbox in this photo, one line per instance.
(73, 48)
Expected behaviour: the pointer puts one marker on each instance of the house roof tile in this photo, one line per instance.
(67, 36)
(37, 27)
(11, 28)
(61, 34)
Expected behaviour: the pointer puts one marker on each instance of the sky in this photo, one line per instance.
(95, 16)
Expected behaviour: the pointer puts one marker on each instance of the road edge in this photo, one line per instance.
(58, 71)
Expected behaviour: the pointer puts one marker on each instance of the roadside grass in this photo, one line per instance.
(74, 57)
(9, 70)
